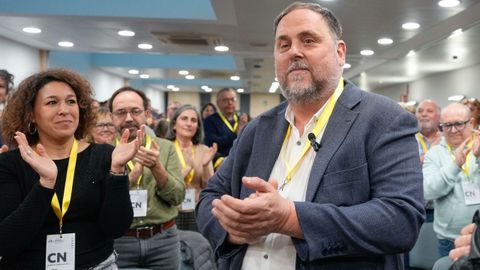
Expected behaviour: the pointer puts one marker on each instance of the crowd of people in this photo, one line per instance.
(333, 178)
(120, 192)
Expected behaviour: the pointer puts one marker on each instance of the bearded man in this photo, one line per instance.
(329, 179)
(428, 117)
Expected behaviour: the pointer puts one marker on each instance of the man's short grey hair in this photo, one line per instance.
(332, 21)
(465, 108)
(226, 89)
(437, 107)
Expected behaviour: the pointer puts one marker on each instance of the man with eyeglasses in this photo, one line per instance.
(223, 126)
(451, 176)
(156, 188)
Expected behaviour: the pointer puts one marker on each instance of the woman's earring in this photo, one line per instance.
(31, 130)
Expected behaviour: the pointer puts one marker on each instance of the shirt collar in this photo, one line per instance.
(311, 123)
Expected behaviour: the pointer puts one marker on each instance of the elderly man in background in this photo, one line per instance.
(223, 126)
(428, 117)
(451, 175)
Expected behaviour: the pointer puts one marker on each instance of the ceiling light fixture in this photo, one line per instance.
(235, 78)
(133, 71)
(411, 103)
(190, 77)
(170, 86)
(221, 48)
(411, 53)
(410, 26)
(204, 87)
(126, 33)
(208, 90)
(66, 44)
(145, 46)
(144, 76)
(240, 90)
(385, 41)
(347, 66)
(456, 98)
(32, 30)
(274, 87)
(367, 52)
(175, 89)
(456, 33)
(448, 3)
(183, 72)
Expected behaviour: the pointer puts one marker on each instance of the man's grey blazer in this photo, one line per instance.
(364, 201)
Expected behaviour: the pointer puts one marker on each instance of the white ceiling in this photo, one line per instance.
(246, 26)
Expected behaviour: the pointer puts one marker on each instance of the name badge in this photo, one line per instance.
(60, 252)
(471, 193)
(139, 202)
(189, 201)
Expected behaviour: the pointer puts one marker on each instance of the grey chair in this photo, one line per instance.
(197, 254)
(443, 263)
(425, 253)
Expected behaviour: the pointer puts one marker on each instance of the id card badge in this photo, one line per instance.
(471, 193)
(189, 201)
(60, 252)
(139, 202)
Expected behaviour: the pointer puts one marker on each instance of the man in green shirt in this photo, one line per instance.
(156, 188)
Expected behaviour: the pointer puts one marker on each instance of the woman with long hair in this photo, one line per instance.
(186, 132)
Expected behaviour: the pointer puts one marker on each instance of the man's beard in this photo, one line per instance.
(304, 94)
(130, 127)
(427, 126)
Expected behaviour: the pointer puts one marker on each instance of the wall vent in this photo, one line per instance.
(187, 39)
(210, 74)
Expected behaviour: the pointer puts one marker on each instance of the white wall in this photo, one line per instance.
(260, 103)
(104, 84)
(439, 86)
(185, 98)
(157, 98)
(20, 60)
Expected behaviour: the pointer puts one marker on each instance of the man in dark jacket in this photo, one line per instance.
(330, 179)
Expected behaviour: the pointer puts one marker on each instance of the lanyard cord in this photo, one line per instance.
(148, 145)
(321, 122)
(67, 191)
(466, 165)
(422, 142)
(227, 123)
(189, 177)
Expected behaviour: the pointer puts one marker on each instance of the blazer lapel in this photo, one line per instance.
(267, 145)
(336, 130)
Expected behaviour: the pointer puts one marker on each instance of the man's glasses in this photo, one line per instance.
(458, 125)
(104, 125)
(122, 113)
(227, 100)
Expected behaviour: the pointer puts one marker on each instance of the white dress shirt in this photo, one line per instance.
(276, 251)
